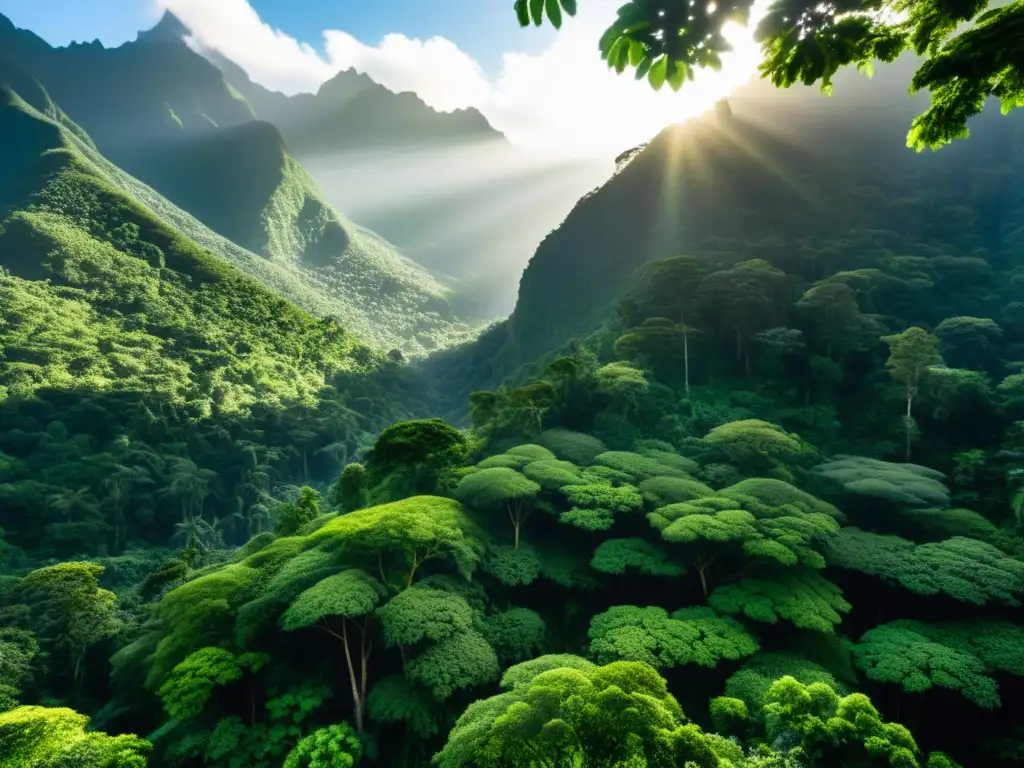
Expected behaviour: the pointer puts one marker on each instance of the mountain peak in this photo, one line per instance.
(170, 29)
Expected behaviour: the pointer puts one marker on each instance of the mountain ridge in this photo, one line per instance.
(239, 179)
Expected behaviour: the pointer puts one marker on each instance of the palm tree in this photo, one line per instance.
(190, 485)
(197, 533)
(120, 484)
(68, 502)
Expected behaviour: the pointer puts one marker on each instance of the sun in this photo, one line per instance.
(583, 108)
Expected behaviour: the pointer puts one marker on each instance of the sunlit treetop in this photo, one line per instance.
(806, 41)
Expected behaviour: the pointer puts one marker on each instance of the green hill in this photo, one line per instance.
(179, 128)
(123, 339)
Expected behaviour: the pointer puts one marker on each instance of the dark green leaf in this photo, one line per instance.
(569, 6)
(554, 13)
(537, 11)
(523, 13)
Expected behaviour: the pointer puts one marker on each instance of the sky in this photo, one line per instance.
(545, 91)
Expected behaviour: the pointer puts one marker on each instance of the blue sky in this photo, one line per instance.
(482, 28)
(544, 90)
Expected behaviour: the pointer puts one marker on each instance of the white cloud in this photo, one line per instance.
(562, 98)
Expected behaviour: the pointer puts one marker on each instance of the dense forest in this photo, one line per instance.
(739, 484)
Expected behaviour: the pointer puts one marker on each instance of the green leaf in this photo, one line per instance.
(644, 68)
(554, 13)
(636, 52)
(569, 6)
(656, 77)
(523, 13)
(537, 11)
(679, 71)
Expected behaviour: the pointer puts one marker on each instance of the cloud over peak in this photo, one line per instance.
(563, 98)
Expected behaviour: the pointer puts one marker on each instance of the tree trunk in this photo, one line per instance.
(515, 537)
(910, 400)
(357, 699)
(686, 362)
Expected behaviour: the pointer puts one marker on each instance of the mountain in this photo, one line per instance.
(351, 111)
(165, 115)
(446, 188)
(756, 184)
(120, 334)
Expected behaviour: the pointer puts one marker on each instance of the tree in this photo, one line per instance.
(69, 610)
(595, 506)
(753, 444)
(420, 614)
(893, 654)
(349, 491)
(552, 474)
(185, 693)
(832, 316)
(715, 529)
(653, 636)
(617, 556)
(659, 343)
(967, 570)
(500, 489)
(742, 301)
(335, 746)
(516, 634)
(970, 342)
(418, 453)
(56, 737)
(834, 729)
(291, 516)
(667, 41)
(803, 597)
(351, 597)
(461, 660)
(18, 649)
(618, 714)
(402, 536)
(911, 354)
(905, 486)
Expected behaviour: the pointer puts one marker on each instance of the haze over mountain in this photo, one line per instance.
(445, 187)
(166, 115)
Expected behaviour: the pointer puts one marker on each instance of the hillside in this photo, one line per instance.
(128, 97)
(761, 184)
(128, 345)
(209, 157)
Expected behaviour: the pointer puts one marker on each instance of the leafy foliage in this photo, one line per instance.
(665, 42)
(652, 635)
(804, 598)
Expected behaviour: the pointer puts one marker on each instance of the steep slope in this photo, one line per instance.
(786, 172)
(351, 111)
(127, 350)
(125, 98)
(234, 175)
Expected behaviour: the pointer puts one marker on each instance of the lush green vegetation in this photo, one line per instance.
(760, 506)
(166, 116)
(141, 376)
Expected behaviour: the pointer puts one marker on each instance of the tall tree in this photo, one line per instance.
(911, 354)
(346, 599)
